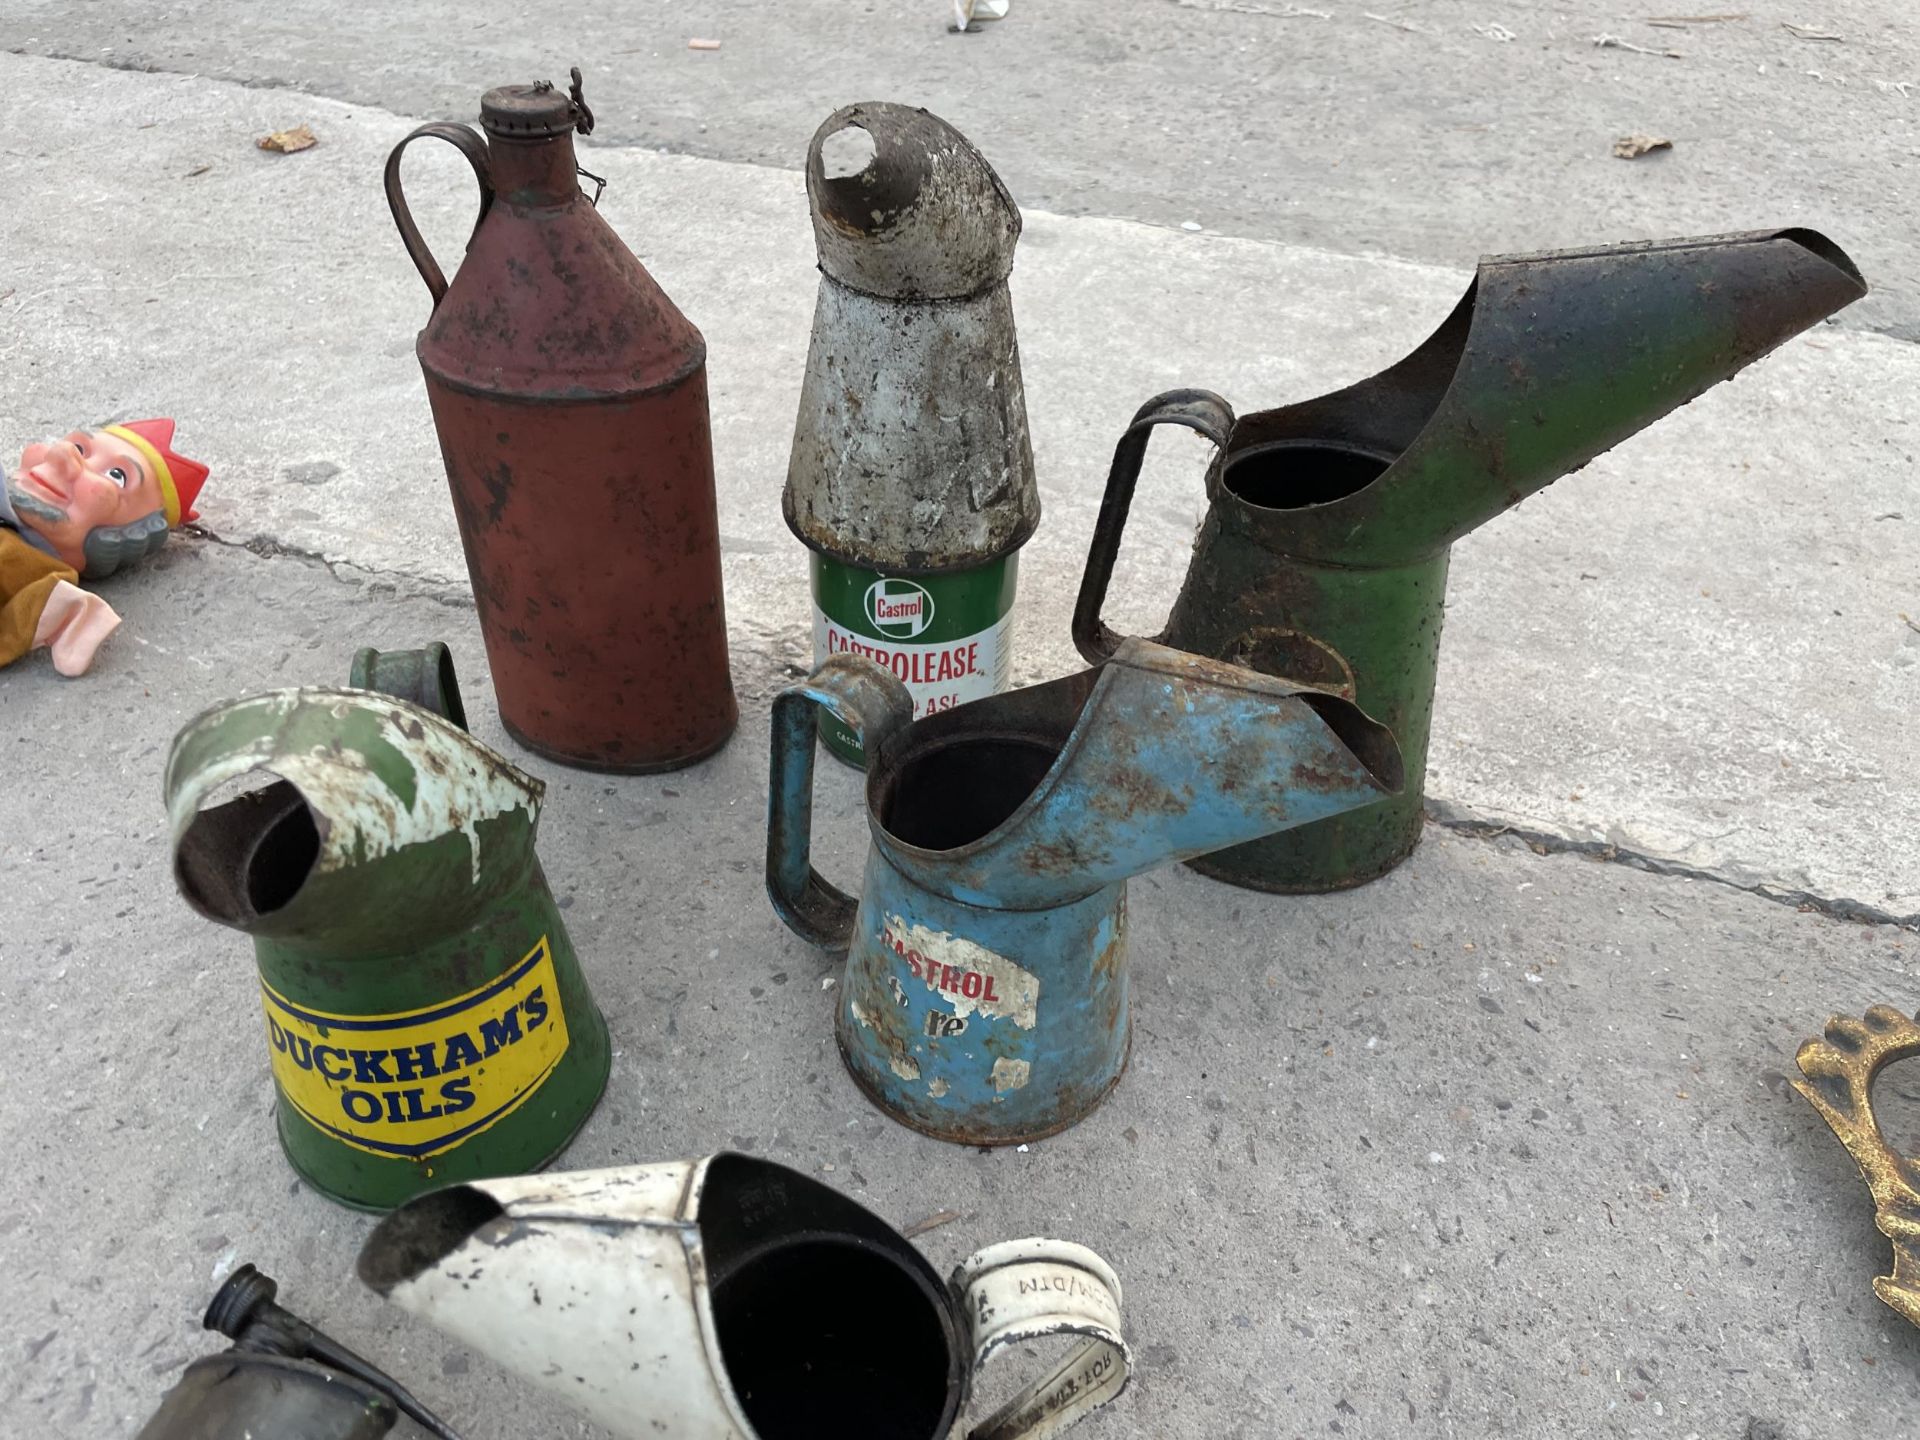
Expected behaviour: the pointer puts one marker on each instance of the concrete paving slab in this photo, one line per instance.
(1434, 130)
(1692, 652)
(1498, 1146)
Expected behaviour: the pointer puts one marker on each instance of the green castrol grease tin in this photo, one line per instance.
(947, 637)
(911, 476)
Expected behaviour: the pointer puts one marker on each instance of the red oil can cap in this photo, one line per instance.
(535, 112)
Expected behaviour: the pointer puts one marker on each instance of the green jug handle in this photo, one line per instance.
(871, 702)
(467, 141)
(1200, 410)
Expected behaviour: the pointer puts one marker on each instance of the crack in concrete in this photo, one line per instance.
(1549, 842)
(133, 66)
(437, 592)
(778, 660)
(136, 66)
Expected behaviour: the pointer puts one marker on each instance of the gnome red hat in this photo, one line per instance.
(180, 478)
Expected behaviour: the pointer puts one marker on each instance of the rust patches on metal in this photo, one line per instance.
(887, 1030)
(1067, 858)
(596, 375)
(1333, 517)
(913, 326)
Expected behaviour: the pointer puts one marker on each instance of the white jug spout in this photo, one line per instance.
(702, 1300)
(580, 1282)
(734, 1299)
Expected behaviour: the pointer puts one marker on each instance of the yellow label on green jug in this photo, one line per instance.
(418, 1083)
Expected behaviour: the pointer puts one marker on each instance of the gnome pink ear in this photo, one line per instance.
(180, 478)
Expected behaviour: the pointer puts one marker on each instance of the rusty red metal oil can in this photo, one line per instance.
(571, 400)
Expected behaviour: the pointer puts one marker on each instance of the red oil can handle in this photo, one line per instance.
(871, 702)
(1200, 410)
(467, 141)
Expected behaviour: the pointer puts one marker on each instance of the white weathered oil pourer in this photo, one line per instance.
(911, 475)
(733, 1299)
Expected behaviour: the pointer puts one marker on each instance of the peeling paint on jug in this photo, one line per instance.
(719, 1299)
(988, 944)
(420, 986)
(967, 978)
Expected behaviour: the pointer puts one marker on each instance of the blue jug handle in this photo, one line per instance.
(871, 702)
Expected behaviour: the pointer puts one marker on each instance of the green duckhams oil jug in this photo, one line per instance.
(426, 1019)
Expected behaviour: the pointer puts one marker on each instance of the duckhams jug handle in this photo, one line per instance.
(1025, 1290)
(467, 141)
(1200, 410)
(871, 702)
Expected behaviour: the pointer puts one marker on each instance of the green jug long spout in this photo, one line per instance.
(1330, 522)
(1547, 361)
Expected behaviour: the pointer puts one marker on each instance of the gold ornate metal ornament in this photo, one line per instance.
(1840, 1069)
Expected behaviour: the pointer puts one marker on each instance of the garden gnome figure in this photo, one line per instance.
(84, 505)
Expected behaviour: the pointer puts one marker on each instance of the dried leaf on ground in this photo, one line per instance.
(288, 142)
(1807, 32)
(932, 1222)
(1632, 147)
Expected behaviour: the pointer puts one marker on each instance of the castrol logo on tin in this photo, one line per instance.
(898, 609)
